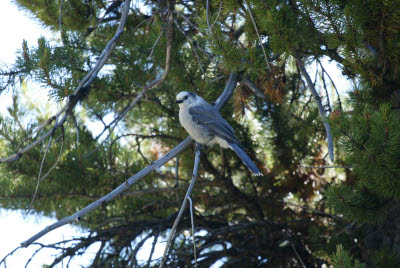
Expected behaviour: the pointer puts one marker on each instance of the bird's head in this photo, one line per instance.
(186, 98)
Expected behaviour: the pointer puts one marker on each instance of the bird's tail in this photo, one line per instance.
(246, 159)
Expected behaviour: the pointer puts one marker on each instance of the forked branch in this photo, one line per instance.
(320, 107)
(82, 88)
(223, 98)
(187, 196)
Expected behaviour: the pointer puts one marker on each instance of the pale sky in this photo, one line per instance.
(15, 226)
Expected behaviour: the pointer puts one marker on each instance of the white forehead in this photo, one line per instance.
(181, 95)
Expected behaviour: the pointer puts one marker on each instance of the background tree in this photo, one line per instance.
(129, 60)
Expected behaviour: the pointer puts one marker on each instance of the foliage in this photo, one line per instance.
(343, 259)
(293, 215)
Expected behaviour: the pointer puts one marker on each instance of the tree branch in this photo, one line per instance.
(219, 103)
(154, 83)
(189, 191)
(113, 194)
(82, 88)
(259, 37)
(320, 107)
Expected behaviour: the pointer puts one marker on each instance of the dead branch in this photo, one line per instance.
(219, 103)
(154, 83)
(320, 107)
(189, 191)
(259, 37)
(80, 90)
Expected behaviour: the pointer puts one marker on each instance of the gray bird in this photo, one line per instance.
(206, 126)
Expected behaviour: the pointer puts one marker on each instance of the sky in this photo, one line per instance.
(15, 226)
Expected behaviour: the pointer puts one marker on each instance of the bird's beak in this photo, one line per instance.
(179, 101)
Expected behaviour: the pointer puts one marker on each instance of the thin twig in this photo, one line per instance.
(83, 86)
(254, 88)
(304, 166)
(153, 246)
(160, 190)
(258, 34)
(326, 92)
(311, 209)
(155, 44)
(320, 107)
(218, 78)
(77, 129)
(298, 256)
(198, 60)
(189, 191)
(189, 22)
(113, 194)
(208, 21)
(193, 235)
(176, 172)
(333, 84)
(49, 171)
(40, 172)
(219, 12)
(211, 58)
(152, 84)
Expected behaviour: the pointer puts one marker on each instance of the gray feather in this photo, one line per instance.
(210, 117)
(246, 160)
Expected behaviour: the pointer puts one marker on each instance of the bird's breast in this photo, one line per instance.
(198, 132)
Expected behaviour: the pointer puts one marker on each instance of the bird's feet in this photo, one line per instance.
(199, 146)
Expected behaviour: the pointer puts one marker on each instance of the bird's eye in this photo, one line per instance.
(185, 98)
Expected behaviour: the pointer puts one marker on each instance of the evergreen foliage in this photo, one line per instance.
(343, 259)
(292, 216)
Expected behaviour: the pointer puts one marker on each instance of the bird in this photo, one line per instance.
(206, 126)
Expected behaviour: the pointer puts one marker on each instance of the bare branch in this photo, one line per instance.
(155, 44)
(52, 167)
(259, 37)
(333, 83)
(153, 246)
(320, 107)
(298, 256)
(254, 88)
(226, 94)
(81, 89)
(193, 42)
(219, 12)
(189, 191)
(304, 166)
(148, 87)
(113, 194)
(208, 21)
(40, 173)
(193, 235)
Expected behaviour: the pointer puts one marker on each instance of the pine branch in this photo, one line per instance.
(254, 88)
(113, 194)
(152, 84)
(219, 103)
(320, 107)
(258, 34)
(81, 90)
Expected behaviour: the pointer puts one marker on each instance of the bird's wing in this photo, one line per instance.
(210, 117)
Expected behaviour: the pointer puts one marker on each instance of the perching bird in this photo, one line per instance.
(206, 126)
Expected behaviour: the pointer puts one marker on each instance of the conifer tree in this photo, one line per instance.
(295, 215)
